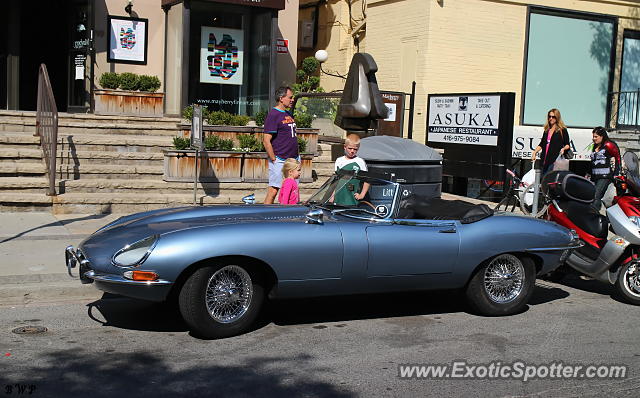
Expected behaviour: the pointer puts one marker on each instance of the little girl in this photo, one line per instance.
(289, 191)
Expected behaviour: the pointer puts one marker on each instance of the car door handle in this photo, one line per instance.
(448, 231)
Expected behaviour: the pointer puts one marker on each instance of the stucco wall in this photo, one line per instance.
(148, 9)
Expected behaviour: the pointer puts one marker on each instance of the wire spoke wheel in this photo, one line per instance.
(631, 280)
(504, 278)
(228, 294)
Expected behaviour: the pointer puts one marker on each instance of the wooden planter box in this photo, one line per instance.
(214, 166)
(224, 166)
(128, 103)
(232, 132)
(255, 167)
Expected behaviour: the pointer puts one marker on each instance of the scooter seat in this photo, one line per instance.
(585, 217)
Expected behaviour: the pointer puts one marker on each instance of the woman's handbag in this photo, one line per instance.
(568, 154)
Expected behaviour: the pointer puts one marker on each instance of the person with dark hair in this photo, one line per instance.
(280, 140)
(601, 171)
(554, 142)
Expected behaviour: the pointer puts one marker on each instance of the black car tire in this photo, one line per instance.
(193, 301)
(623, 287)
(482, 301)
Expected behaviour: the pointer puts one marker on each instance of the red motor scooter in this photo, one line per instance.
(611, 258)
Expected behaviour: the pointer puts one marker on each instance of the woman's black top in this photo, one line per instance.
(601, 161)
(558, 140)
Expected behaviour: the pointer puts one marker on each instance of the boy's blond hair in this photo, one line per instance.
(289, 164)
(352, 139)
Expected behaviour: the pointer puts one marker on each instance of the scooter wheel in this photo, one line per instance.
(628, 283)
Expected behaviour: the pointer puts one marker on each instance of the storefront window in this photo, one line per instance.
(627, 101)
(568, 67)
(229, 57)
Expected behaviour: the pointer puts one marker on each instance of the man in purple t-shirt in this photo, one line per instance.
(280, 140)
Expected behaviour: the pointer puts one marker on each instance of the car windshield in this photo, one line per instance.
(342, 194)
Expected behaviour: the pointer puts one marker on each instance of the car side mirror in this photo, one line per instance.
(314, 216)
(249, 199)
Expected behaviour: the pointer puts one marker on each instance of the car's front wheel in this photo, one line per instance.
(502, 285)
(222, 300)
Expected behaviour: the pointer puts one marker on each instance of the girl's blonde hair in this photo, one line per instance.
(289, 164)
(559, 121)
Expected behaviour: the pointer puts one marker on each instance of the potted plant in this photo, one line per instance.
(129, 94)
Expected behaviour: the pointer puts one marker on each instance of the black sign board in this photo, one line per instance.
(475, 130)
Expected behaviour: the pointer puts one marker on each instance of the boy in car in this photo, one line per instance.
(349, 194)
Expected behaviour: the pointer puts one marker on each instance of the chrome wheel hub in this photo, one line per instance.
(632, 279)
(228, 294)
(504, 278)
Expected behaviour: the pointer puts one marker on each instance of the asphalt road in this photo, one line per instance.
(323, 347)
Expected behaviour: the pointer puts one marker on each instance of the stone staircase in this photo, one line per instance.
(109, 164)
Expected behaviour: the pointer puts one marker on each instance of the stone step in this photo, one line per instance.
(12, 169)
(92, 170)
(25, 201)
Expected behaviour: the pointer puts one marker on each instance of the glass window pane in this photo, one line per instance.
(568, 67)
(629, 82)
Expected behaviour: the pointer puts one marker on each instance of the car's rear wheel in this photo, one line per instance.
(222, 300)
(628, 283)
(502, 285)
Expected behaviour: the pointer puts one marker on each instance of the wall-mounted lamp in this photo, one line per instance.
(128, 8)
(322, 56)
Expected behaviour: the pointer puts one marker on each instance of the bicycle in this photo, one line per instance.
(520, 195)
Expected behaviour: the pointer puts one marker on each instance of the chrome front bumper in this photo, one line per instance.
(111, 278)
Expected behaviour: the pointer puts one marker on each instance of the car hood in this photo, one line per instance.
(131, 228)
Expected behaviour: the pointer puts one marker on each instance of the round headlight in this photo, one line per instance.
(135, 253)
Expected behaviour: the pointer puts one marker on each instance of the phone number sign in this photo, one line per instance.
(464, 119)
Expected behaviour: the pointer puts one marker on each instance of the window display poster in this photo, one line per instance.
(127, 40)
(221, 55)
(464, 119)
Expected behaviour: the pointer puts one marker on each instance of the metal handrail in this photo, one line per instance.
(625, 110)
(47, 126)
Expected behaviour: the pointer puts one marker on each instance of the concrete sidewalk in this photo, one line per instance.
(32, 267)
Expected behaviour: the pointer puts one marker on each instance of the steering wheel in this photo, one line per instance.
(368, 204)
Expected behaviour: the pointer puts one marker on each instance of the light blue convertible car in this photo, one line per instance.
(222, 262)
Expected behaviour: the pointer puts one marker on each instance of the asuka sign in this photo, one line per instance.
(464, 119)
(221, 55)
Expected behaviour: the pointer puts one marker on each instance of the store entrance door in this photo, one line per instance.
(53, 32)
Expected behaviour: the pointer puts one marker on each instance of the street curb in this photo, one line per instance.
(43, 293)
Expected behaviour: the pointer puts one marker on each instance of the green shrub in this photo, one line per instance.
(303, 120)
(302, 145)
(226, 144)
(214, 143)
(220, 118)
(181, 142)
(129, 81)
(149, 83)
(187, 112)
(239, 120)
(110, 80)
(249, 142)
(260, 116)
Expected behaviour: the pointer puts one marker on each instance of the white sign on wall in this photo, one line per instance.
(391, 115)
(527, 138)
(467, 119)
(127, 40)
(221, 55)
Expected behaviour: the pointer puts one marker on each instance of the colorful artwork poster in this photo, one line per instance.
(127, 40)
(221, 55)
